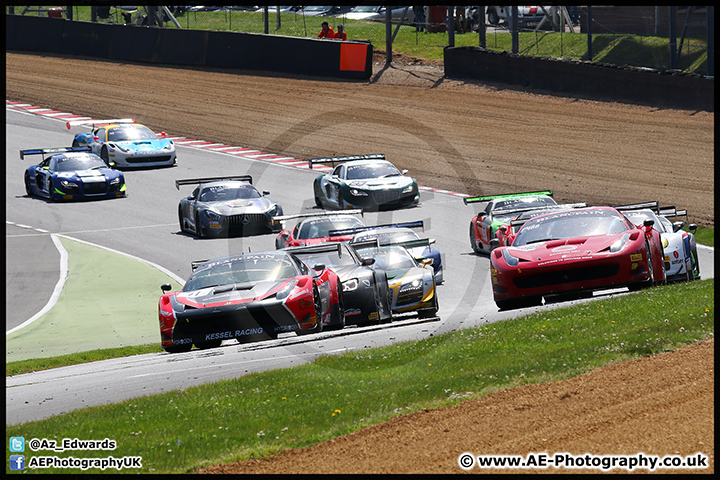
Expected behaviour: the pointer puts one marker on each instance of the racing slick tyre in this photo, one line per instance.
(209, 344)
(492, 16)
(181, 219)
(316, 191)
(430, 312)
(318, 314)
(105, 156)
(634, 287)
(51, 190)
(473, 240)
(179, 348)
(28, 184)
(198, 227)
(338, 311)
(75, 143)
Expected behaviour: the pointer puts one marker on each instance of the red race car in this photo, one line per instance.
(250, 296)
(314, 228)
(575, 251)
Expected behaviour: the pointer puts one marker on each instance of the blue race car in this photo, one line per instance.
(126, 143)
(71, 173)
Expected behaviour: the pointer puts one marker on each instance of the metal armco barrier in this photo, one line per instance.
(247, 51)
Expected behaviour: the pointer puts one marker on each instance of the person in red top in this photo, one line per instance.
(340, 34)
(326, 31)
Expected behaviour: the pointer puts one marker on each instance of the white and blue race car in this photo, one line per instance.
(126, 143)
(679, 246)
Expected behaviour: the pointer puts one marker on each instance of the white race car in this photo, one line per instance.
(125, 143)
(679, 246)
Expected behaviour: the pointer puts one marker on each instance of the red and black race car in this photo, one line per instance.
(249, 296)
(314, 228)
(575, 251)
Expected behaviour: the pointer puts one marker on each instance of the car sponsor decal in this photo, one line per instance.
(636, 257)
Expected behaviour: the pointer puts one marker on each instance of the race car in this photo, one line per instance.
(71, 173)
(250, 296)
(679, 247)
(499, 210)
(223, 206)
(400, 234)
(365, 290)
(368, 182)
(575, 251)
(314, 228)
(412, 284)
(126, 143)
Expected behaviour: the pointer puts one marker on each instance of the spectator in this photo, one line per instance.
(326, 31)
(340, 34)
(460, 23)
(419, 12)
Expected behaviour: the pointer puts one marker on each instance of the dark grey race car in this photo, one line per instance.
(366, 292)
(224, 206)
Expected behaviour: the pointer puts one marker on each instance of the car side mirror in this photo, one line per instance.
(191, 197)
(692, 227)
(366, 262)
(677, 226)
(165, 287)
(648, 223)
(266, 192)
(319, 267)
(404, 171)
(503, 229)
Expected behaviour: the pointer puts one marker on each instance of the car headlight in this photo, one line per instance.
(617, 246)
(408, 189)
(350, 285)
(414, 285)
(510, 259)
(68, 184)
(114, 145)
(358, 193)
(285, 291)
(214, 216)
(115, 181)
(169, 146)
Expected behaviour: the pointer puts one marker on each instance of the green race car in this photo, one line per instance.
(368, 182)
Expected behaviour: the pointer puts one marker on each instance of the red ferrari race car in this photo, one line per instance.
(314, 228)
(249, 296)
(575, 251)
(499, 210)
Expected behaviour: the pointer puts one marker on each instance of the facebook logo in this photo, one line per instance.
(17, 462)
(17, 444)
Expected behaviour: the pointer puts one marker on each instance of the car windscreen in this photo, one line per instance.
(522, 202)
(571, 224)
(394, 258)
(78, 162)
(329, 259)
(371, 170)
(223, 193)
(639, 216)
(243, 269)
(130, 132)
(320, 227)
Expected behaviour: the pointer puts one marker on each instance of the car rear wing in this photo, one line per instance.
(374, 243)
(51, 151)
(196, 263)
(98, 122)
(487, 198)
(197, 181)
(334, 160)
(673, 212)
(654, 206)
(282, 218)
(353, 231)
(317, 248)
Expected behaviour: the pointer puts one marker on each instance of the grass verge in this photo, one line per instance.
(264, 413)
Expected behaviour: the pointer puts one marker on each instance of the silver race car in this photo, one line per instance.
(223, 206)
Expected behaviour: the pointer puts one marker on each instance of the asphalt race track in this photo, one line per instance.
(139, 238)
